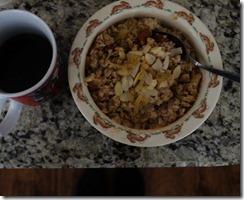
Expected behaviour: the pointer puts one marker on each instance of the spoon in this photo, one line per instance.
(178, 43)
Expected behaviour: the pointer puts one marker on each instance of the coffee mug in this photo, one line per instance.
(29, 67)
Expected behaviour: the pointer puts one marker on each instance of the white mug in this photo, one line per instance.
(14, 22)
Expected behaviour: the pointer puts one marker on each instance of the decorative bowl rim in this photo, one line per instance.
(169, 13)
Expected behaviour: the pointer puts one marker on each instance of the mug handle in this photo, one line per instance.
(11, 117)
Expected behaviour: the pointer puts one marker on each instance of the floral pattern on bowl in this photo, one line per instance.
(167, 12)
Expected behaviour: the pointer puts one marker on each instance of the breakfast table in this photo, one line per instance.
(56, 135)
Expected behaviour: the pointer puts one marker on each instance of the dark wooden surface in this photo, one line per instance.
(195, 181)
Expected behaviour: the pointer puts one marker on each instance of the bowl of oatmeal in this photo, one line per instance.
(134, 86)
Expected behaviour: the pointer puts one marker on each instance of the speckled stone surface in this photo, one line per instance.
(57, 135)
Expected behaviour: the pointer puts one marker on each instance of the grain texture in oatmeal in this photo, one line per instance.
(138, 80)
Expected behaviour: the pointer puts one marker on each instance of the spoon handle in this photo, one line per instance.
(233, 77)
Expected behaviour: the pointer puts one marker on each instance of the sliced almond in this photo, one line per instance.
(137, 104)
(135, 70)
(118, 89)
(140, 101)
(162, 77)
(166, 63)
(158, 66)
(146, 49)
(153, 84)
(139, 76)
(156, 50)
(145, 65)
(153, 92)
(148, 78)
(162, 54)
(176, 51)
(139, 85)
(125, 83)
(177, 72)
(130, 81)
(150, 58)
(144, 100)
(163, 84)
(137, 53)
(122, 55)
(126, 96)
(123, 71)
(133, 58)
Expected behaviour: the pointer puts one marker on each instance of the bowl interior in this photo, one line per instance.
(166, 19)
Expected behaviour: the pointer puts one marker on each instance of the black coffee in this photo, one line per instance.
(24, 60)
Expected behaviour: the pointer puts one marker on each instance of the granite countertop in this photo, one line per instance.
(57, 135)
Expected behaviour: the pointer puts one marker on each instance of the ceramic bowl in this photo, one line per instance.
(170, 14)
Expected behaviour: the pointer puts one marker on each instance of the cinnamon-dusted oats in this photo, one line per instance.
(137, 81)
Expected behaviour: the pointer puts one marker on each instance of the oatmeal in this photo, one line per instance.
(138, 80)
